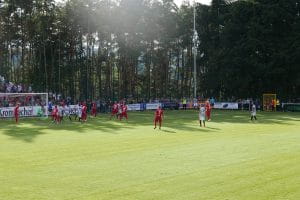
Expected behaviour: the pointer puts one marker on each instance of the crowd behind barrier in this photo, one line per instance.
(29, 100)
(104, 106)
(7, 86)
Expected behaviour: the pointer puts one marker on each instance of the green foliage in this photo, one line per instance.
(248, 54)
(143, 49)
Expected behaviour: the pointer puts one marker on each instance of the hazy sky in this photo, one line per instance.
(178, 2)
(207, 2)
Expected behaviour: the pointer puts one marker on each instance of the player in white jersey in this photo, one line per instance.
(78, 110)
(253, 112)
(202, 112)
(79, 115)
(119, 110)
(60, 113)
(67, 112)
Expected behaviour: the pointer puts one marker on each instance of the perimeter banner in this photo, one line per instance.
(28, 111)
(152, 106)
(135, 107)
(226, 106)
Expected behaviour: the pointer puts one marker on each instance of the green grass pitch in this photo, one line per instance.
(231, 159)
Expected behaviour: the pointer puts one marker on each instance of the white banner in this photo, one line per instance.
(226, 105)
(73, 109)
(28, 111)
(152, 106)
(134, 107)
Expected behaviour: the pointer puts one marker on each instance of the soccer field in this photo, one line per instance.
(233, 158)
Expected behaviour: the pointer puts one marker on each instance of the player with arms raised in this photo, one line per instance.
(159, 113)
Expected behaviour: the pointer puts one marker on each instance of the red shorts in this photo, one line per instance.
(114, 112)
(158, 119)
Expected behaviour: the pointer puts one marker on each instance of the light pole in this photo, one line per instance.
(150, 72)
(196, 43)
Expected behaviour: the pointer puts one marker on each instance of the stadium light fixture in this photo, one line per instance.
(196, 43)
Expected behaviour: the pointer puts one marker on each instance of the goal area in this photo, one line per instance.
(31, 104)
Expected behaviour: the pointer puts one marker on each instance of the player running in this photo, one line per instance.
(159, 113)
(202, 112)
(16, 113)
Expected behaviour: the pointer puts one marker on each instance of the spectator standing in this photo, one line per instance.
(184, 103)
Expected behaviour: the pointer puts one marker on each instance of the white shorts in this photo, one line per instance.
(202, 117)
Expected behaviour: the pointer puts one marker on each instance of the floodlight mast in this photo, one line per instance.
(195, 41)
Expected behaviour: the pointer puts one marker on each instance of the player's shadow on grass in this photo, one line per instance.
(168, 131)
(23, 133)
(27, 130)
(211, 128)
(177, 121)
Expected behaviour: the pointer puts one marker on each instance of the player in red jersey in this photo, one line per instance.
(114, 110)
(208, 110)
(16, 113)
(59, 114)
(159, 113)
(123, 112)
(94, 109)
(55, 117)
(84, 112)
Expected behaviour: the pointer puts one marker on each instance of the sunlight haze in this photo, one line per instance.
(207, 2)
(178, 2)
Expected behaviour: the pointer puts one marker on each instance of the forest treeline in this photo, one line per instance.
(143, 49)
